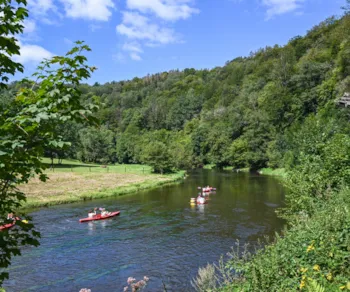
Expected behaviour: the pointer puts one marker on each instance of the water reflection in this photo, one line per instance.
(103, 223)
(91, 227)
(201, 208)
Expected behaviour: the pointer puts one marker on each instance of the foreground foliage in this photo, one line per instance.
(28, 122)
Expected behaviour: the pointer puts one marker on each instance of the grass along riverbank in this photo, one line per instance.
(281, 172)
(72, 181)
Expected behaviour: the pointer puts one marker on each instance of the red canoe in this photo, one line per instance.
(99, 217)
(7, 226)
(208, 190)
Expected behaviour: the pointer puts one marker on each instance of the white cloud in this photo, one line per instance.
(145, 23)
(94, 27)
(136, 26)
(29, 26)
(132, 47)
(277, 7)
(118, 57)
(165, 9)
(41, 7)
(135, 57)
(32, 54)
(88, 9)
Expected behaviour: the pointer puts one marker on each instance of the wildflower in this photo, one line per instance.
(302, 284)
(126, 288)
(145, 278)
(303, 270)
(131, 280)
(85, 290)
(316, 268)
(347, 286)
(310, 248)
(329, 276)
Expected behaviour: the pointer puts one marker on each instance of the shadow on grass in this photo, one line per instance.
(48, 165)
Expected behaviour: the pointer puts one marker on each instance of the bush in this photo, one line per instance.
(156, 154)
(318, 161)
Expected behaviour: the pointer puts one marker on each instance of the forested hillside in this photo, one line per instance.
(244, 114)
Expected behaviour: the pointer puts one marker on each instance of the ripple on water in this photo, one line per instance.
(158, 234)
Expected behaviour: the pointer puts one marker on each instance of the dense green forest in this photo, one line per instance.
(275, 108)
(248, 113)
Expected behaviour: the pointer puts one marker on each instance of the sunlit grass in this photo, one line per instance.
(73, 181)
(70, 165)
(274, 172)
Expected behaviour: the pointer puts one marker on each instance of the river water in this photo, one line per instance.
(158, 234)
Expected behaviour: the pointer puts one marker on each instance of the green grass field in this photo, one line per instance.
(73, 181)
(69, 165)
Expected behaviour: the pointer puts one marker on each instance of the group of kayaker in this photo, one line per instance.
(93, 213)
(201, 199)
(11, 217)
(92, 216)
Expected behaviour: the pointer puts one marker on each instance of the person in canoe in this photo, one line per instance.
(104, 212)
(92, 213)
(200, 199)
(12, 217)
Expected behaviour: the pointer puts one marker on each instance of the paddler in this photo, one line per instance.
(200, 199)
(92, 213)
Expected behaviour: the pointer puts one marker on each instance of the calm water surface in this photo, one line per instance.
(158, 234)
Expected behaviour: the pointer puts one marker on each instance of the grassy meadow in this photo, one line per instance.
(73, 181)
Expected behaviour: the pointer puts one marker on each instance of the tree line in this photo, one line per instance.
(248, 113)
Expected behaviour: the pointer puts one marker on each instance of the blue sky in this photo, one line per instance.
(138, 37)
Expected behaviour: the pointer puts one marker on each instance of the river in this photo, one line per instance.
(158, 234)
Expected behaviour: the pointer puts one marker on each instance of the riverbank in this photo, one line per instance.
(72, 181)
(312, 253)
(280, 172)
